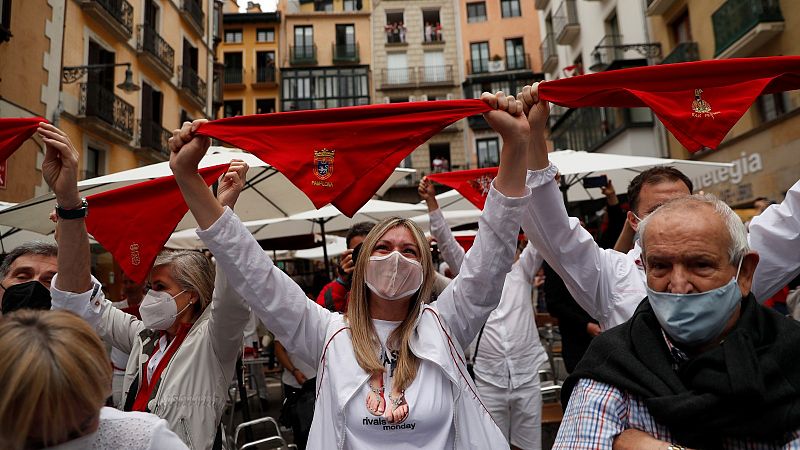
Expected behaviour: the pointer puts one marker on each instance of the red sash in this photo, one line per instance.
(146, 388)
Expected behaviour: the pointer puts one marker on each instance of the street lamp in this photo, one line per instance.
(72, 74)
(645, 49)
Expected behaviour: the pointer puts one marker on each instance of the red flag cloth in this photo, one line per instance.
(134, 222)
(341, 155)
(699, 102)
(472, 184)
(13, 132)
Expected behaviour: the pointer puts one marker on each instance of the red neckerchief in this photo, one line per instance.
(15, 131)
(146, 389)
(472, 184)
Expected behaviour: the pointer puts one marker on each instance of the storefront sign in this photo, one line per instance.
(744, 165)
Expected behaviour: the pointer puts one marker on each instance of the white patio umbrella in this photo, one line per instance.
(267, 194)
(11, 238)
(574, 166)
(335, 246)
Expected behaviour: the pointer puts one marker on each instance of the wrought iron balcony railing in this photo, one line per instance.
(192, 82)
(402, 77)
(194, 10)
(152, 43)
(117, 14)
(683, 52)
(510, 62)
(548, 52)
(565, 22)
(234, 75)
(435, 75)
(101, 103)
(735, 18)
(345, 52)
(265, 74)
(303, 54)
(155, 137)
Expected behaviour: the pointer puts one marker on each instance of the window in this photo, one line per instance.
(515, 54)
(265, 67)
(395, 28)
(772, 106)
(440, 157)
(233, 36)
(431, 25)
(5, 20)
(681, 29)
(398, 99)
(509, 8)
(345, 42)
(397, 68)
(488, 152)
(95, 163)
(303, 42)
(232, 108)
(476, 12)
(265, 35)
(434, 70)
(324, 88)
(323, 5)
(352, 5)
(233, 68)
(479, 52)
(265, 105)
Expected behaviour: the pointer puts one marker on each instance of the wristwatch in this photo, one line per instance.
(77, 213)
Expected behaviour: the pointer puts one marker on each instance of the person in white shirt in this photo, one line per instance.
(508, 353)
(56, 376)
(132, 293)
(608, 284)
(390, 372)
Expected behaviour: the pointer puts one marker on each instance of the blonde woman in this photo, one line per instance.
(56, 376)
(183, 352)
(391, 371)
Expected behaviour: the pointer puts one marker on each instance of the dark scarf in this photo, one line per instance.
(747, 387)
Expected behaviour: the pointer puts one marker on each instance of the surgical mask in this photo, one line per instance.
(159, 309)
(393, 276)
(29, 295)
(694, 319)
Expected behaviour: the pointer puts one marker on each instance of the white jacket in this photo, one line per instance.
(510, 350)
(321, 338)
(609, 285)
(193, 387)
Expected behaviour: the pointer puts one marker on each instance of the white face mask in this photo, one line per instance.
(159, 309)
(393, 276)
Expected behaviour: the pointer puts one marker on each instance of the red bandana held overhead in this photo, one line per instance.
(134, 222)
(13, 132)
(472, 184)
(341, 155)
(699, 102)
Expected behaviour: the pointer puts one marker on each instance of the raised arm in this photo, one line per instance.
(451, 251)
(775, 235)
(605, 283)
(274, 297)
(475, 292)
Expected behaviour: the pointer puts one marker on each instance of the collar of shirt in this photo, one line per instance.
(678, 356)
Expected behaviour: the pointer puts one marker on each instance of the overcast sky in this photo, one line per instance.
(266, 5)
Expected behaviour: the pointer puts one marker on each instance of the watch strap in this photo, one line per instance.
(77, 213)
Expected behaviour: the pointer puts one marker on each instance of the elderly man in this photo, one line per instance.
(608, 284)
(26, 273)
(700, 364)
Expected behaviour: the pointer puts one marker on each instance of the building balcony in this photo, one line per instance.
(264, 77)
(436, 76)
(193, 13)
(590, 129)
(192, 87)
(541, 5)
(742, 26)
(115, 15)
(345, 53)
(683, 52)
(234, 78)
(656, 7)
(483, 67)
(154, 140)
(155, 51)
(398, 78)
(549, 53)
(302, 55)
(565, 22)
(105, 114)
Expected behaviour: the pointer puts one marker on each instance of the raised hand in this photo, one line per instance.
(507, 118)
(425, 189)
(187, 148)
(232, 183)
(535, 109)
(60, 166)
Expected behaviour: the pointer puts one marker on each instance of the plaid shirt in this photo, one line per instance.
(597, 412)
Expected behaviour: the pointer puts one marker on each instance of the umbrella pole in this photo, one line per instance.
(325, 248)
(564, 187)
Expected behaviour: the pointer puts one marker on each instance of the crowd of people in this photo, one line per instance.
(665, 334)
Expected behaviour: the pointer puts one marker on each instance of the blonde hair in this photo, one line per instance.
(55, 374)
(192, 271)
(365, 339)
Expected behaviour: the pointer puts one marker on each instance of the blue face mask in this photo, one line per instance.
(694, 319)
